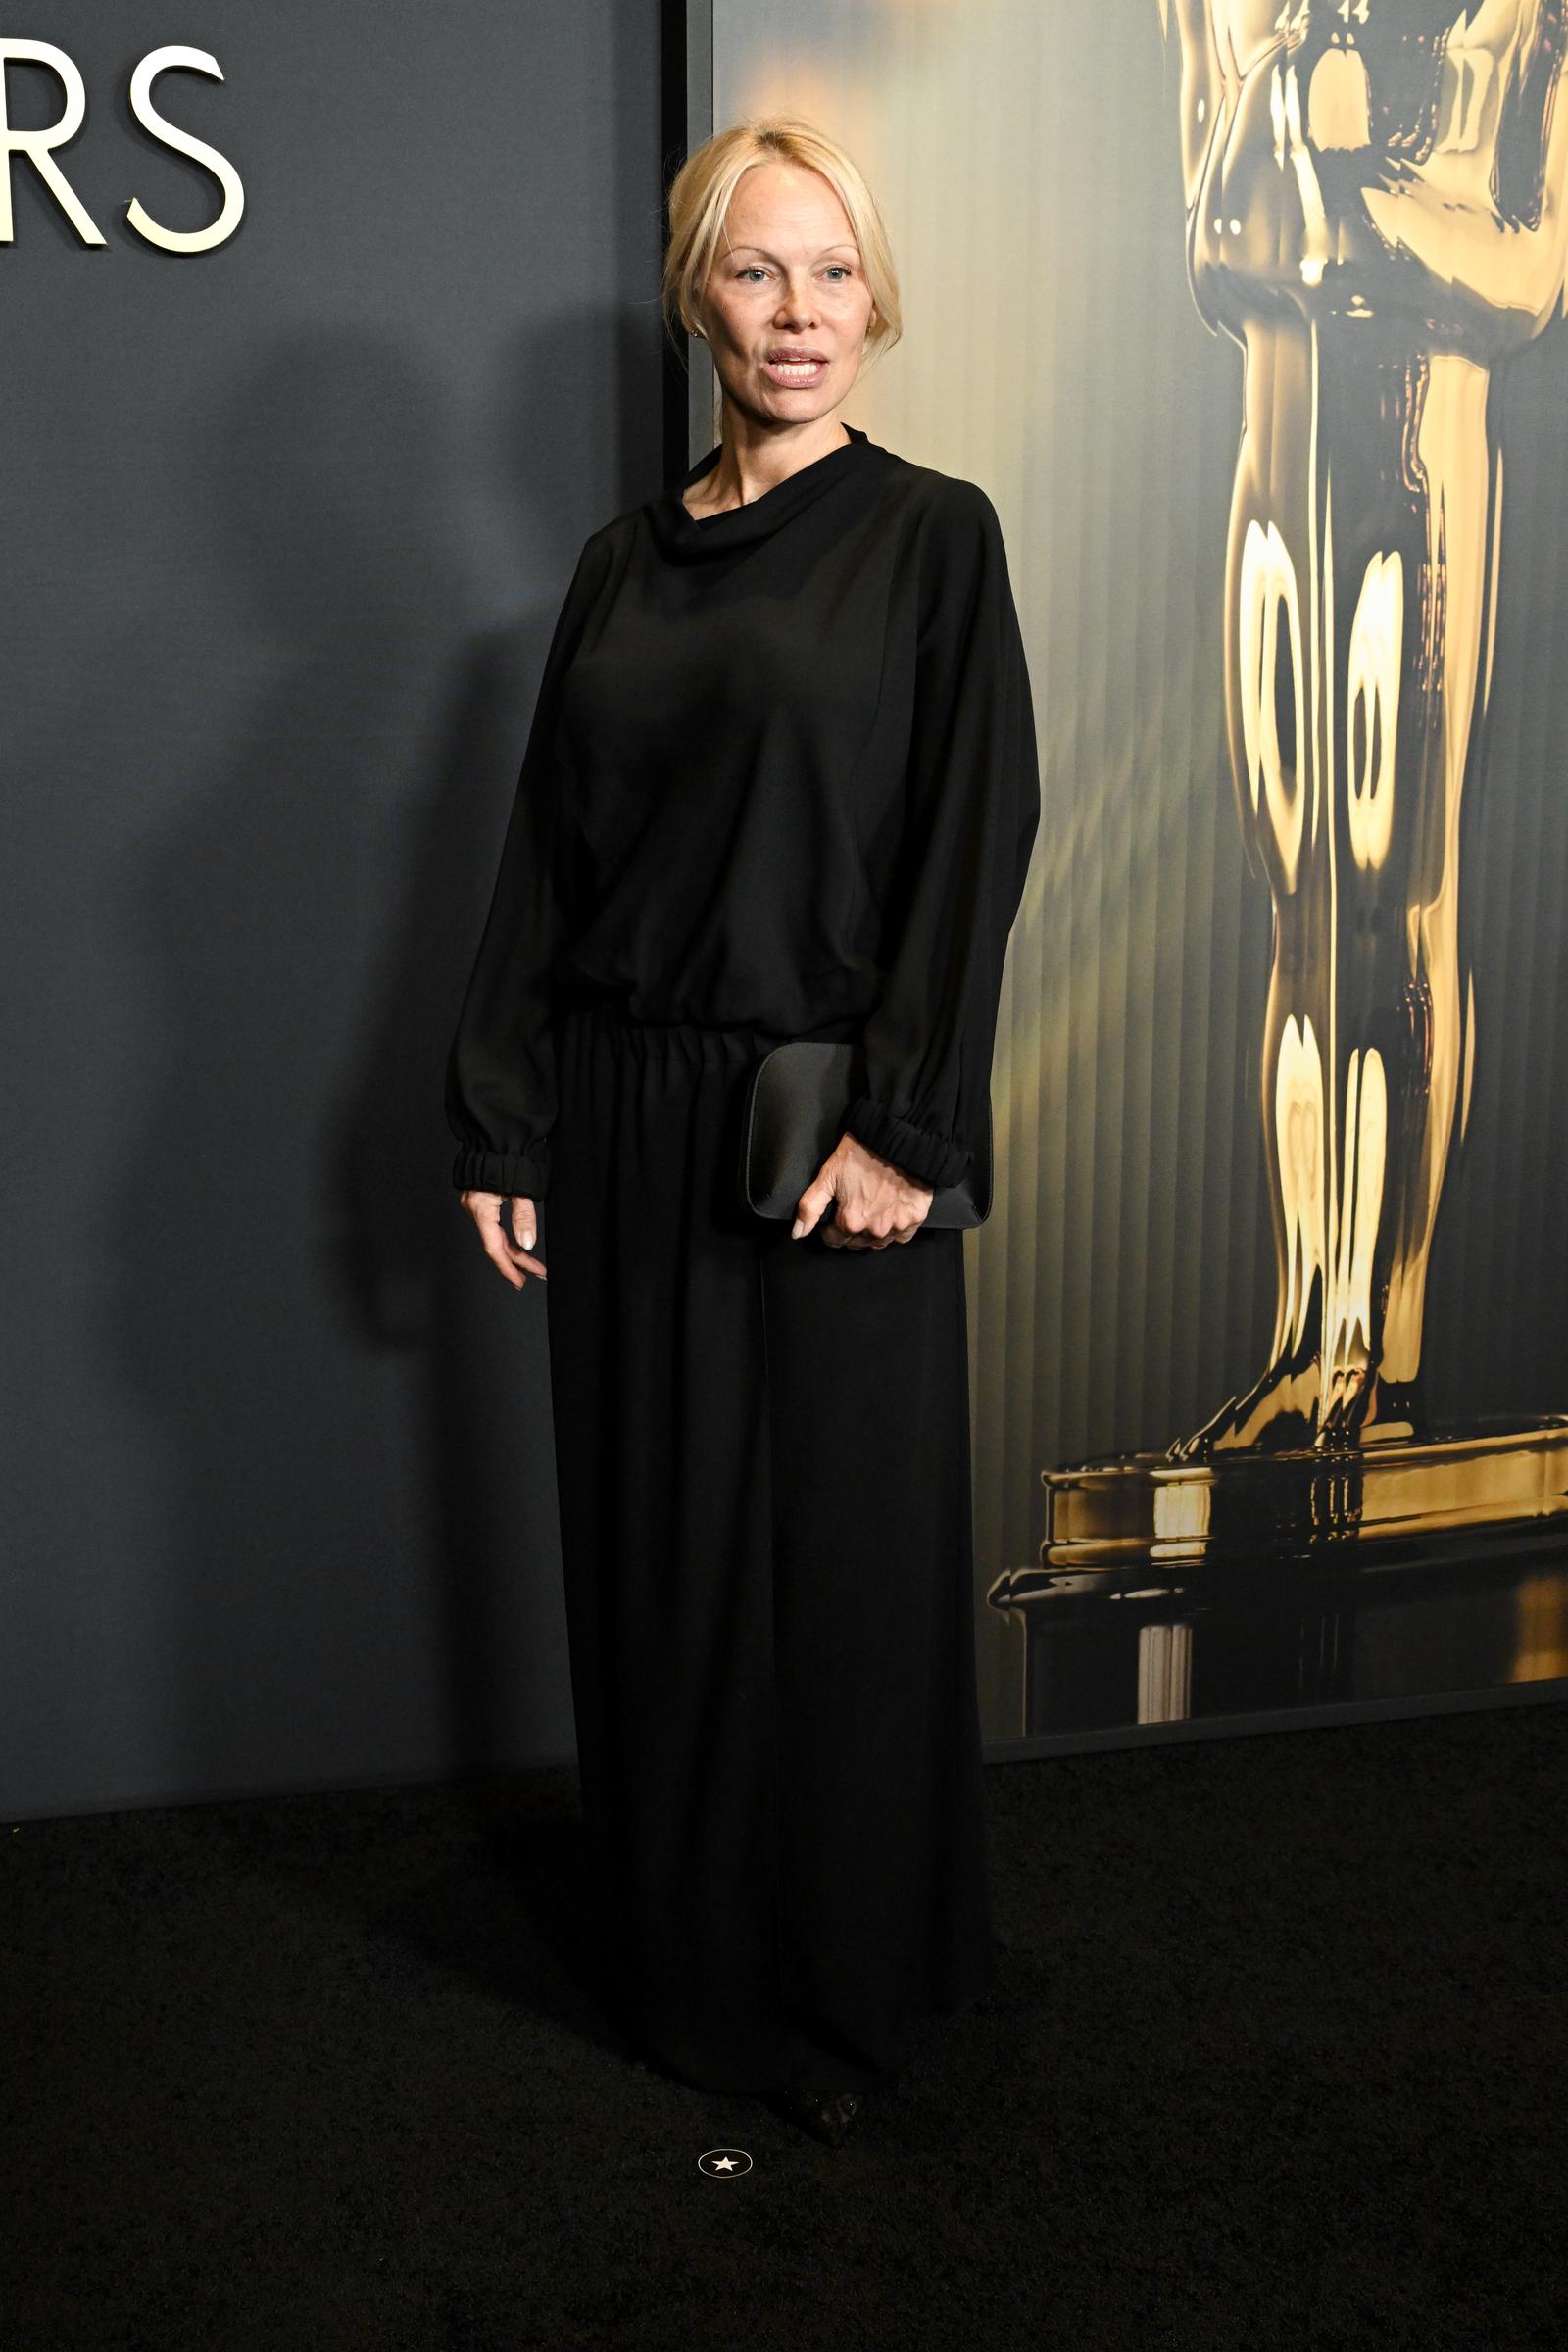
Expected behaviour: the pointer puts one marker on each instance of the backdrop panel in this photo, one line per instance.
(1249, 322)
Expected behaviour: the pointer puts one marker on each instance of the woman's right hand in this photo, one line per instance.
(489, 1212)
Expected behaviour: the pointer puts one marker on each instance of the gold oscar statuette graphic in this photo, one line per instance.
(1375, 213)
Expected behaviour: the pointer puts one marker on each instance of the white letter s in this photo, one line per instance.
(173, 240)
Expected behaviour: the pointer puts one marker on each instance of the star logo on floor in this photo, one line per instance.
(725, 2163)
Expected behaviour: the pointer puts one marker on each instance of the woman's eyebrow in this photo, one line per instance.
(842, 246)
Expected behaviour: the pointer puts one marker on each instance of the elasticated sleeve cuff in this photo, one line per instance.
(523, 1175)
(932, 1160)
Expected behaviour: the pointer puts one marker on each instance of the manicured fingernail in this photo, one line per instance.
(797, 1229)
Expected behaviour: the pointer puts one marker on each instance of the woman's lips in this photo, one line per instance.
(793, 372)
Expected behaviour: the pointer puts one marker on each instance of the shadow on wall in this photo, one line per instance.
(360, 1571)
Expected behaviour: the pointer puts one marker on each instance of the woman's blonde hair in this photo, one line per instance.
(698, 202)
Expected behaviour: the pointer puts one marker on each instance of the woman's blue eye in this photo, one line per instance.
(754, 269)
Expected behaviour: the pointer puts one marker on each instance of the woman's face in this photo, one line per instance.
(787, 284)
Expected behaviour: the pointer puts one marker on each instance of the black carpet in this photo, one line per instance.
(1276, 2061)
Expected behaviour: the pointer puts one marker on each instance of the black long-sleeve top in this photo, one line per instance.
(781, 772)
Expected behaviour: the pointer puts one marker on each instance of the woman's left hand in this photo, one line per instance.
(877, 1203)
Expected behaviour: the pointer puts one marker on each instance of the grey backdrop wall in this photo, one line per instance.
(286, 526)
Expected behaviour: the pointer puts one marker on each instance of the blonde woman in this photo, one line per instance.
(781, 782)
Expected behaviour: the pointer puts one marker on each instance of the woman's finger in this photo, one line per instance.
(494, 1241)
(495, 1251)
(524, 1224)
(813, 1202)
(520, 1252)
(514, 1259)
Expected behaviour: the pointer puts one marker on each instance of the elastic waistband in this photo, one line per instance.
(610, 1012)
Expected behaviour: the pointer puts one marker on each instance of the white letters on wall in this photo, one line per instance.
(35, 144)
(38, 147)
(173, 240)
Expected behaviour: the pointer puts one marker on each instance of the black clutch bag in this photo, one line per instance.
(792, 1116)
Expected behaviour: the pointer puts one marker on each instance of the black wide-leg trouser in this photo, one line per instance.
(762, 1459)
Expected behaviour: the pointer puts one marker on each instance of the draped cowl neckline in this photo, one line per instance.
(686, 538)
